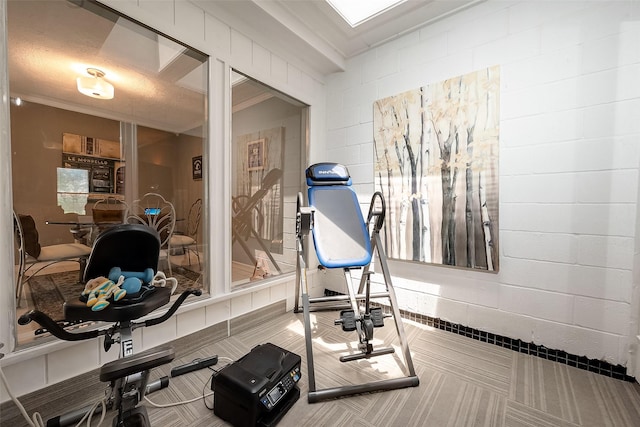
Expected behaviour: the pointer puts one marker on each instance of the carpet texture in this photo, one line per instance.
(463, 382)
(50, 291)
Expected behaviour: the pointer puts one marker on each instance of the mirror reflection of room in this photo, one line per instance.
(86, 158)
(267, 135)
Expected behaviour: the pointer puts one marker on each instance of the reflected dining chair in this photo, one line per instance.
(106, 213)
(32, 255)
(188, 240)
(156, 212)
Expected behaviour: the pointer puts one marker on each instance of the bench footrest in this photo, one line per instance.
(348, 320)
(377, 317)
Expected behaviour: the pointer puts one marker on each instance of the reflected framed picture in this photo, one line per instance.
(196, 168)
(255, 155)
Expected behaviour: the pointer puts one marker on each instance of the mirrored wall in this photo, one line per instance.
(103, 112)
(269, 131)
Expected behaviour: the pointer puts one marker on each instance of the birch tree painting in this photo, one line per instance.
(436, 152)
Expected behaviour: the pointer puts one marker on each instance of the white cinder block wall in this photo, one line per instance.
(569, 162)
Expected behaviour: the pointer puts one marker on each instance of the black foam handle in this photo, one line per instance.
(54, 328)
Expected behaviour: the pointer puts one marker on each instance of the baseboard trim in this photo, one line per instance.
(560, 356)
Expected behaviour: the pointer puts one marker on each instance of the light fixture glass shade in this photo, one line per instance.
(95, 86)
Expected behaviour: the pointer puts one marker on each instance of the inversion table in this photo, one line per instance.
(342, 240)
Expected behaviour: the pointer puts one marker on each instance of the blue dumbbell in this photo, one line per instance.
(132, 285)
(146, 276)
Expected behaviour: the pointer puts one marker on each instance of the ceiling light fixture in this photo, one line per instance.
(95, 86)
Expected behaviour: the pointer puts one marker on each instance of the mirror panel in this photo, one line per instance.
(268, 152)
(99, 94)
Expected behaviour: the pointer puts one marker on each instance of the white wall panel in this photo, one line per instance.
(190, 321)
(241, 51)
(602, 315)
(279, 70)
(218, 36)
(241, 304)
(552, 306)
(190, 16)
(218, 312)
(574, 340)
(606, 251)
(574, 279)
(156, 335)
(63, 364)
(25, 377)
(261, 298)
(261, 59)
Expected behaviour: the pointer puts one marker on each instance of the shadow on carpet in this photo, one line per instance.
(50, 291)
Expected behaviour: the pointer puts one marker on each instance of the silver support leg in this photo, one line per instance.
(392, 384)
(296, 304)
(309, 345)
(301, 274)
(376, 245)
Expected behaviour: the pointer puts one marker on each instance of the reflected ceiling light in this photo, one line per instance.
(95, 86)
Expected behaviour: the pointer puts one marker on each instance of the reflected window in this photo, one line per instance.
(268, 140)
(73, 189)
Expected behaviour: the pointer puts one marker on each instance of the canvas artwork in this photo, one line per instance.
(436, 163)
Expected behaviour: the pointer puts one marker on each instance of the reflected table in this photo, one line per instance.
(81, 231)
(85, 232)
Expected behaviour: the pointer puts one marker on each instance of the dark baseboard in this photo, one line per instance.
(560, 356)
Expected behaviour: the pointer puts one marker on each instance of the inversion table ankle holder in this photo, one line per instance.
(342, 240)
(132, 247)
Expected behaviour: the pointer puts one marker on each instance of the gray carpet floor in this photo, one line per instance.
(463, 382)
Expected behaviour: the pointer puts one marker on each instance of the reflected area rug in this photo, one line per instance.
(50, 291)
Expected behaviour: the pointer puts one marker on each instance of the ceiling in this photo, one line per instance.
(157, 82)
(317, 33)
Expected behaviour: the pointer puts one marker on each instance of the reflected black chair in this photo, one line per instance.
(188, 240)
(31, 255)
(135, 248)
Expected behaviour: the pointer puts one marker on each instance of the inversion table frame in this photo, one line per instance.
(325, 181)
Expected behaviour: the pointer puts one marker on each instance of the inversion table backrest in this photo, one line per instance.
(340, 233)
